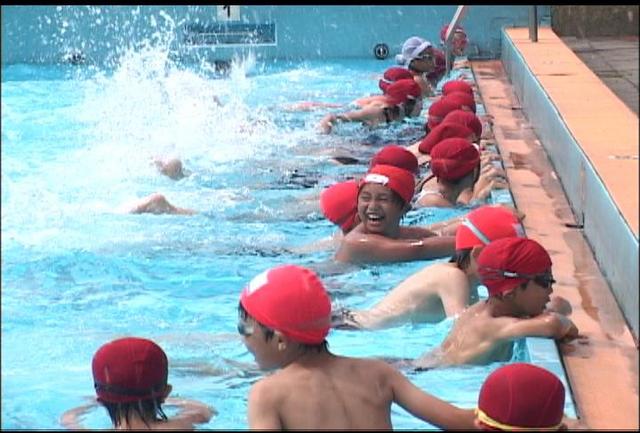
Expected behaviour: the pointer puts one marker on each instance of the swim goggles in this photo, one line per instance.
(545, 280)
(245, 329)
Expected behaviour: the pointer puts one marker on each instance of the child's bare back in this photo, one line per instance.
(325, 391)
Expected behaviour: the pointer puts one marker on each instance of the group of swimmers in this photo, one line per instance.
(285, 313)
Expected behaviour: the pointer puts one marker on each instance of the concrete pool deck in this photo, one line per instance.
(614, 60)
(602, 368)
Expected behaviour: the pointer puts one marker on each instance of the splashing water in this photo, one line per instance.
(116, 122)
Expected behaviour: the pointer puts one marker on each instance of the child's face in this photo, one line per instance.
(424, 62)
(458, 43)
(534, 297)
(265, 352)
(378, 210)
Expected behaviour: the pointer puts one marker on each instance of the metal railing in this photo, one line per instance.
(457, 18)
(533, 23)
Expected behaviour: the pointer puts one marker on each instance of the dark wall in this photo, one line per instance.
(589, 21)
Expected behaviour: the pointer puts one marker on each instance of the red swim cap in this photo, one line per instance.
(466, 118)
(456, 29)
(402, 90)
(290, 299)
(339, 203)
(442, 131)
(501, 261)
(129, 369)
(457, 86)
(454, 158)
(521, 396)
(392, 75)
(438, 110)
(397, 179)
(486, 224)
(462, 100)
(397, 156)
(440, 65)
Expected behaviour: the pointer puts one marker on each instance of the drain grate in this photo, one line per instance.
(229, 34)
(623, 156)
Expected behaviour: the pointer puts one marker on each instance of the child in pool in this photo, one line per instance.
(456, 164)
(130, 379)
(402, 98)
(443, 289)
(284, 316)
(155, 203)
(384, 196)
(523, 396)
(423, 61)
(517, 273)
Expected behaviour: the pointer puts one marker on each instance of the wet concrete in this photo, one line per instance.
(594, 21)
(602, 368)
(614, 60)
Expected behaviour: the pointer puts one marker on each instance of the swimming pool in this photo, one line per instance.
(76, 273)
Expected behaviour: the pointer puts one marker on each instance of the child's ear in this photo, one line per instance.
(167, 390)
(281, 341)
(475, 252)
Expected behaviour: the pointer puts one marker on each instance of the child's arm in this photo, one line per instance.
(429, 407)
(446, 228)
(455, 294)
(372, 248)
(413, 232)
(191, 411)
(71, 418)
(261, 411)
(490, 178)
(328, 121)
(550, 325)
(369, 113)
(574, 424)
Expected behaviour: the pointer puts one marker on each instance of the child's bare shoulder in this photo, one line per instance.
(282, 381)
(448, 269)
(370, 366)
(173, 424)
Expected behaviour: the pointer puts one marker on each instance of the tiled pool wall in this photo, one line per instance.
(34, 34)
(614, 245)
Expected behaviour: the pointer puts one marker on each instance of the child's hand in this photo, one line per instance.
(486, 158)
(491, 178)
(567, 329)
(559, 305)
(326, 123)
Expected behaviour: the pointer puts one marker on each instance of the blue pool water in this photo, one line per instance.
(77, 272)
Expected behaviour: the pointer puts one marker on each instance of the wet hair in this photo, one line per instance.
(392, 113)
(149, 410)
(409, 105)
(269, 333)
(462, 258)
(477, 171)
